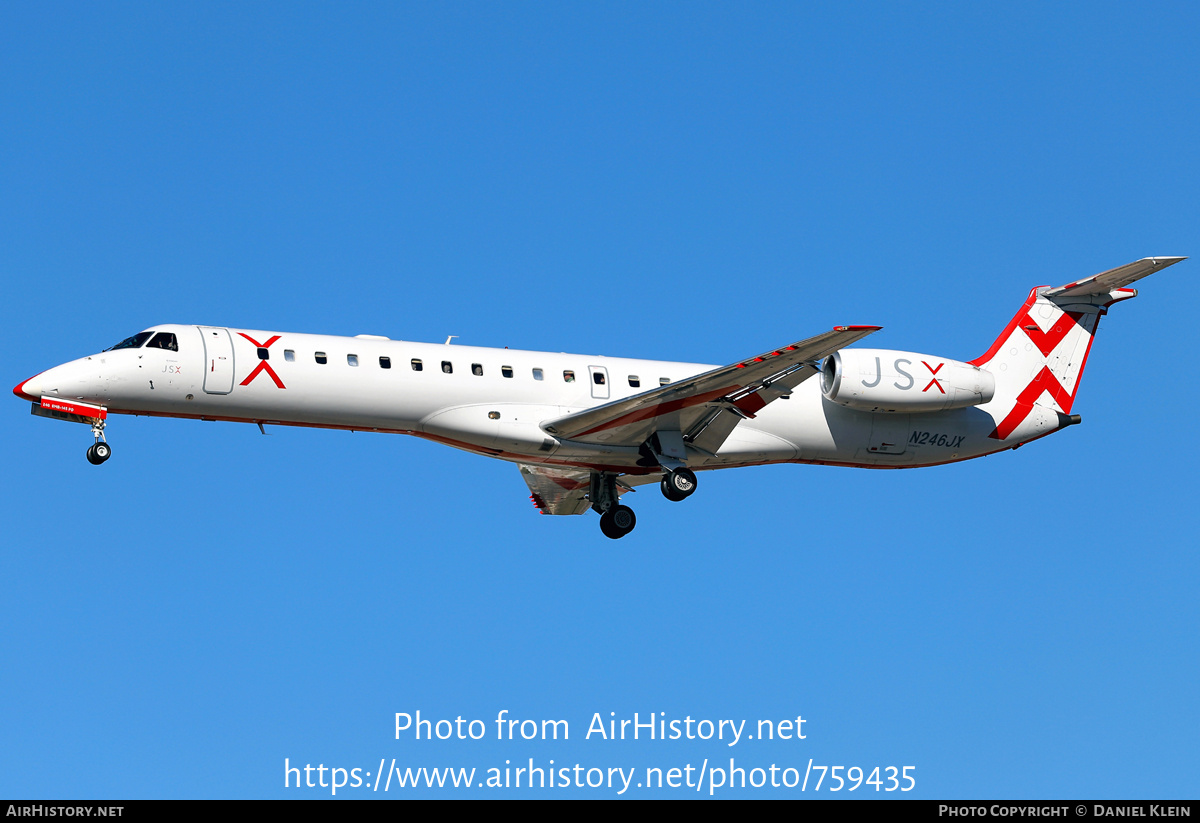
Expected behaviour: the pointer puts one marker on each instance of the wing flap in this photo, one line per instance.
(725, 395)
(557, 490)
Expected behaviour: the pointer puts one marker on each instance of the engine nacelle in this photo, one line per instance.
(878, 380)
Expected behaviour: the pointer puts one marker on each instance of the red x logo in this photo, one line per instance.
(263, 365)
(934, 381)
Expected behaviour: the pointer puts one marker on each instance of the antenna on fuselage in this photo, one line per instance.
(451, 337)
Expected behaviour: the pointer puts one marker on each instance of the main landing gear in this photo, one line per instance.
(678, 484)
(99, 451)
(616, 520)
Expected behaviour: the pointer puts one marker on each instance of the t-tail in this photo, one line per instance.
(1038, 359)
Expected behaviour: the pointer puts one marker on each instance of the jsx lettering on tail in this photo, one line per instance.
(580, 444)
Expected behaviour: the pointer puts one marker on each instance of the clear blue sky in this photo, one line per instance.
(678, 181)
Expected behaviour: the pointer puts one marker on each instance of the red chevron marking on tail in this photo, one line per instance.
(1046, 341)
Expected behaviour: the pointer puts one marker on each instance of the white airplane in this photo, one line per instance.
(585, 429)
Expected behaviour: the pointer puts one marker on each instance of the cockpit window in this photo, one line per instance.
(134, 342)
(164, 340)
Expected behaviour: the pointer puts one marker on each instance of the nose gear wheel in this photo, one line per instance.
(98, 452)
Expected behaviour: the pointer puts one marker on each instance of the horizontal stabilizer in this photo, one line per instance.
(1113, 278)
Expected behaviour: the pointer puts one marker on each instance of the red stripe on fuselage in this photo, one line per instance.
(659, 409)
(529, 458)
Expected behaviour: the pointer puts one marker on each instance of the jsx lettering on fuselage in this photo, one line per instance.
(585, 429)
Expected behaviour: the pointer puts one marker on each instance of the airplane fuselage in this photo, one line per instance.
(492, 401)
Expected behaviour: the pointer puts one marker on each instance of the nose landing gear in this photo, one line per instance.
(99, 451)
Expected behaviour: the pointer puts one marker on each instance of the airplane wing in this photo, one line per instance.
(702, 410)
(1113, 278)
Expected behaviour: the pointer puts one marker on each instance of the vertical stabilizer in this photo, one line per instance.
(1038, 359)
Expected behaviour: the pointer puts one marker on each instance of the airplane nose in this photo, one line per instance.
(78, 379)
(31, 389)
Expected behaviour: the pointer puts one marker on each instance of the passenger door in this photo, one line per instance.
(218, 360)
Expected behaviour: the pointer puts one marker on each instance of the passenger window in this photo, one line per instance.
(598, 378)
(163, 340)
(477, 369)
(352, 359)
(447, 368)
(385, 362)
(289, 355)
(569, 376)
(417, 365)
(507, 371)
(634, 381)
(537, 374)
(320, 356)
(263, 354)
(664, 381)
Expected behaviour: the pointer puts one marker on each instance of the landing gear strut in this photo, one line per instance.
(678, 484)
(616, 520)
(99, 451)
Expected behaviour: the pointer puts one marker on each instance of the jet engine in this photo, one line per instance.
(877, 380)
